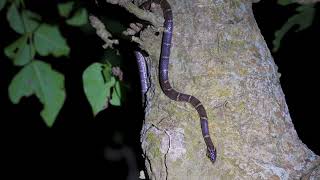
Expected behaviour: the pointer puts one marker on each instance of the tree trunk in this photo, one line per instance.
(219, 55)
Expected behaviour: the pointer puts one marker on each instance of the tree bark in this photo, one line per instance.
(219, 55)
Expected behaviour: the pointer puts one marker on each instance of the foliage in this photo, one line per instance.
(2, 3)
(303, 19)
(100, 86)
(79, 18)
(47, 84)
(36, 77)
(38, 39)
(285, 2)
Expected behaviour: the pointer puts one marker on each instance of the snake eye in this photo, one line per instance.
(156, 33)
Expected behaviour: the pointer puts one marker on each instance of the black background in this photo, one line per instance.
(75, 145)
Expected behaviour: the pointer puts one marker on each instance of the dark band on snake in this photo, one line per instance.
(165, 84)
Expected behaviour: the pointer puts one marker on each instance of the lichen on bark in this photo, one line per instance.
(219, 56)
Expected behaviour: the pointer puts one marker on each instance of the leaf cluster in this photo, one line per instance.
(303, 19)
(38, 39)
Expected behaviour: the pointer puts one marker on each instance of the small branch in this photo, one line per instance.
(134, 29)
(102, 32)
(137, 40)
(156, 21)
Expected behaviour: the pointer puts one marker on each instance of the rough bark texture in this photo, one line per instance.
(220, 56)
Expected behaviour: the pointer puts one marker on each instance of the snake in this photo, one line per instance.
(165, 85)
(143, 75)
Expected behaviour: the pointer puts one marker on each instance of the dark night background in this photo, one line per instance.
(75, 146)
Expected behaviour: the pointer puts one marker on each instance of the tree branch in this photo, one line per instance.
(102, 32)
(156, 21)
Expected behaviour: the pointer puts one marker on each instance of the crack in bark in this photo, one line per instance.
(169, 145)
(167, 152)
(165, 155)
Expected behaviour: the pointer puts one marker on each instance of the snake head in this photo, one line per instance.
(212, 154)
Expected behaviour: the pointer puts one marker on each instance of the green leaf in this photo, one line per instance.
(20, 51)
(47, 84)
(116, 95)
(15, 20)
(303, 19)
(306, 16)
(2, 3)
(285, 2)
(48, 40)
(65, 8)
(107, 72)
(96, 88)
(79, 18)
(23, 22)
(30, 20)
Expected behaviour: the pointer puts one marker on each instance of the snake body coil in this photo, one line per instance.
(164, 80)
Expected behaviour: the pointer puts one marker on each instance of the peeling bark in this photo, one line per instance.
(220, 56)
